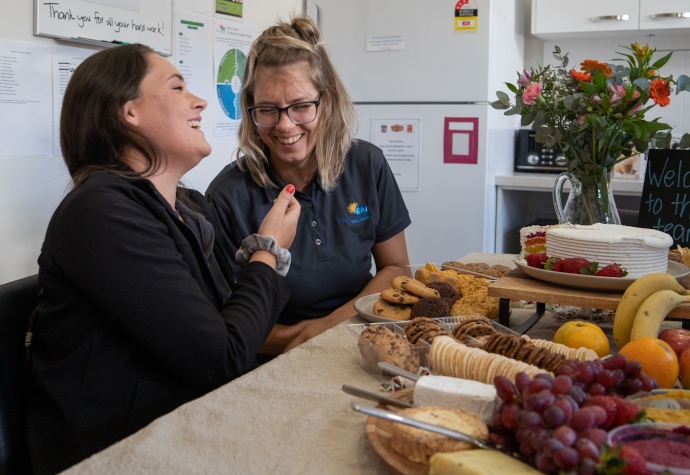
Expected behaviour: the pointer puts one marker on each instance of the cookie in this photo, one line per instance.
(394, 311)
(378, 343)
(444, 289)
(396, 283)
(418, 288)
(400, 296)
(431, 307)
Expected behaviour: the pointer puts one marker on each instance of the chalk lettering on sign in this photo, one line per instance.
(665, 204)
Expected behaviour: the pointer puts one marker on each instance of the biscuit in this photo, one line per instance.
(431, 307)
(397, 281)
(418, 288)
(378, 343)
(445, 290)
(399, 296)
(394, 311)
(418, 445)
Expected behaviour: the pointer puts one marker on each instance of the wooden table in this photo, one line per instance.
(517, 285)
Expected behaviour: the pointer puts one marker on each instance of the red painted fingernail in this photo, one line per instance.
(290, 189)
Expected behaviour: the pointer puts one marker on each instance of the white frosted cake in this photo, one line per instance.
(640, 251)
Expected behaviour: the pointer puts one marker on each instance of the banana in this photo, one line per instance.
(653, 311)
(632, 299)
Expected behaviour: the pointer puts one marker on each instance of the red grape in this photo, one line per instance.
(583, 419)
(615, 361)
(566, 435)
(505, 388)
(566, 458)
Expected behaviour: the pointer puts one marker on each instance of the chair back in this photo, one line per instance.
(17, 302)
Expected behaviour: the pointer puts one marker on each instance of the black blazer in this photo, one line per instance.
(131, 322)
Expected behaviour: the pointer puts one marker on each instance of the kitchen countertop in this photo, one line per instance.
(545, 182)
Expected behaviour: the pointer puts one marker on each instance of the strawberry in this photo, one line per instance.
(554, 263)
(612, 270)
(578, 265)
(610, 405)
(537, 260)
(635, 464)
(627, 412)
(622, 459)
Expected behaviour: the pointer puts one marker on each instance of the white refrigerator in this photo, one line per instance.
(418, 61)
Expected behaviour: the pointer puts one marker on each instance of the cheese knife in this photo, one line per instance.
(375, 397)
(395, 417)
(392, 369)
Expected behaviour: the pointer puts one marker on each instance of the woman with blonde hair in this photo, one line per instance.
(298, 126)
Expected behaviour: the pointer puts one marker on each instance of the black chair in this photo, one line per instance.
(17, 302)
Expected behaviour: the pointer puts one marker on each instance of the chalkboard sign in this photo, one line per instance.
(665, 203)
(107, 22)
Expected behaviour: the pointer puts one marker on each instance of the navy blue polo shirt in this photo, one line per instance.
(331, 253)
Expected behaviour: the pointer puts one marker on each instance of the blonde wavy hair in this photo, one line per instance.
(284, 44)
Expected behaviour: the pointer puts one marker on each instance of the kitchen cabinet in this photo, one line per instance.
(566, 19)
(665, 15)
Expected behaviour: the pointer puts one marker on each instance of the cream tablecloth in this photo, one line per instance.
(287, 417)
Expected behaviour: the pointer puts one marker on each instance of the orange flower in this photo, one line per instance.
(591, 65)
(660, 91)
(578, 76)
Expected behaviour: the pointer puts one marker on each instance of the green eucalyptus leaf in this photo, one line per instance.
(683, 83)
(684, 141)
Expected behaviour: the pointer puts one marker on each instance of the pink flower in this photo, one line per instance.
(636, 108)
(617, 92)
(596, 99)
(525, 79)
(531, 93)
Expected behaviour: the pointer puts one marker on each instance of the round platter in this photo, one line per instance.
(365, 309)
(593, 282)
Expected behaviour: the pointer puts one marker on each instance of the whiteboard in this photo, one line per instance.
(107, 22)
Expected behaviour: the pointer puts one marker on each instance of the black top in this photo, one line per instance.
(331, 253)
(132, 320)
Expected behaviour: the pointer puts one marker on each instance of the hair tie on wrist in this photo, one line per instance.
(257, 242)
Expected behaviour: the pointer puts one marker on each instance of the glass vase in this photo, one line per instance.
(590, 199)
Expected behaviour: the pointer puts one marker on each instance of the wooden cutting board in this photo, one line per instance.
(516, 285)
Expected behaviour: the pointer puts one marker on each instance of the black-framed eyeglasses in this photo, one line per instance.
(299, 113)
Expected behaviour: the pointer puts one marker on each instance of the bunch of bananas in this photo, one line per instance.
(645, 304)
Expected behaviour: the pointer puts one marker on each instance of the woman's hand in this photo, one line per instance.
(281, 220)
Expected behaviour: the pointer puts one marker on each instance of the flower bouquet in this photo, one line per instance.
(596, 115)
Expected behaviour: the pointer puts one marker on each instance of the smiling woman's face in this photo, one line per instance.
(169, 114)
(288, 143)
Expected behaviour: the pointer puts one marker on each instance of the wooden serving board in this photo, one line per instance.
(379, 435)
(516, 285)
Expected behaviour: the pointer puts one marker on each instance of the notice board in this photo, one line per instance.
(665, 203)
(107, 22)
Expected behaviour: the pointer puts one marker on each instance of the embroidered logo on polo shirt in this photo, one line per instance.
(357, 213)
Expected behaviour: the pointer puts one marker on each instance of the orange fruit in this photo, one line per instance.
(579, 334)
(657, 358)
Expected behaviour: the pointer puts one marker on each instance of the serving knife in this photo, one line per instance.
(398, 371)
(395, 417)
(375, 397)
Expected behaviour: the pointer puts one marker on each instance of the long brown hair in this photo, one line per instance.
(284, 44)
(93, 133)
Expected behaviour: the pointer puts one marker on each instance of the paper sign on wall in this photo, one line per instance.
(399, 139)
(466, 15)
(460, 139)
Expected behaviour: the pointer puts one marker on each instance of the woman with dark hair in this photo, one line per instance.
(137, 315)
(298, 126)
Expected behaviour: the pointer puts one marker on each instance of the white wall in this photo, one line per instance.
(31, 187)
